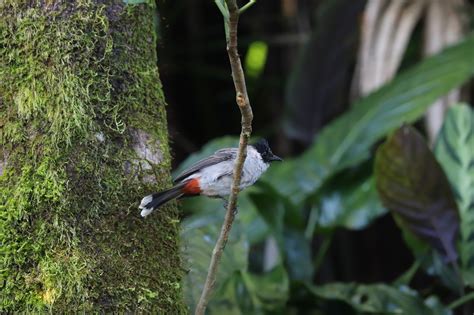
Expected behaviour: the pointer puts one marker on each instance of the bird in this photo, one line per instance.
(213, 176)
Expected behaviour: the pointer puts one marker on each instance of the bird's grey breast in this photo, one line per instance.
(253, 168)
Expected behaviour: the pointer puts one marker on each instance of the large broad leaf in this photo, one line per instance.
(268, 291)
(271, 209)
(247, 293)
(287, 227)
(353, 208)
(348, 200)
(298, 256)
(199, 234)
(380, 299)
(455, 151)
(347, 141)
(277, 212)
(237, 290)
(253, 225)
(412, 184)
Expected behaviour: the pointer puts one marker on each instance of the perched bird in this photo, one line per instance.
(213, 176)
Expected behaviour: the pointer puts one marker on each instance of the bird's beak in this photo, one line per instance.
(274, 158)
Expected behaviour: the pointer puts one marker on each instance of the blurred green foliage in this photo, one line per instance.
(331, 186)
(255, 59)
(380, 299)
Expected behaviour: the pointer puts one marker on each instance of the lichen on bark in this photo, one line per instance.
(78, 79)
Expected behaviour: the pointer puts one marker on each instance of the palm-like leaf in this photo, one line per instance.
(455, 151)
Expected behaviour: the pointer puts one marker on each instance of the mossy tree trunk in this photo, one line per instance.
(83, 137)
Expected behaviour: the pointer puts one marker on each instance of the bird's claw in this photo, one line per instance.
(226, 205)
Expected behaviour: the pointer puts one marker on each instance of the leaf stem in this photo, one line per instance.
(408, 275)
(246, 6)
(462, 300)
(322, 252)
(460, 280)
(312, 220)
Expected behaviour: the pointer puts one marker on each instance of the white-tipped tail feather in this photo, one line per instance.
(153, 201)
(146, 211)
(143, 205)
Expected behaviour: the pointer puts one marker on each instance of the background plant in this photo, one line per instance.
(290, 241)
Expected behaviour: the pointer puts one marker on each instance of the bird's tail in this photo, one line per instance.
(153, 201)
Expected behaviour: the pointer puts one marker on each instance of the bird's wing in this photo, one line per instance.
(218, 157)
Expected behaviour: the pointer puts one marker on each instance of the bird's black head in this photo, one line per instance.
(263, 148)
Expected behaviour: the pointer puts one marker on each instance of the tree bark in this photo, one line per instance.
(83, 137)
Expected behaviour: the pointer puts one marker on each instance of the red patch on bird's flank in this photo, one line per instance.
(192, 187)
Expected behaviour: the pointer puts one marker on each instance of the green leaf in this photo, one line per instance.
(256, 59)
(268, 291)
(271, 209)
(199, 234)
(412, 184)
(348, 200)
(247, 293)
(454, 150)
(347, 141)
(226, 300)
(298, 256)
(380, 299)
(287, 229)
(253, 225)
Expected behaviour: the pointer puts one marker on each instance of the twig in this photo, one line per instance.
(247, 6)
(247, 116)
(464, 299)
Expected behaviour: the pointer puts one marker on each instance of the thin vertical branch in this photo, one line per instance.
(243, 102)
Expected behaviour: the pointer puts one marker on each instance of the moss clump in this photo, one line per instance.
(78, 79)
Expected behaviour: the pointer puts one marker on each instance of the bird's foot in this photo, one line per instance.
(226, 205)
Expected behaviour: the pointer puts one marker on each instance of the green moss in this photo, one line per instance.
(70, 232)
